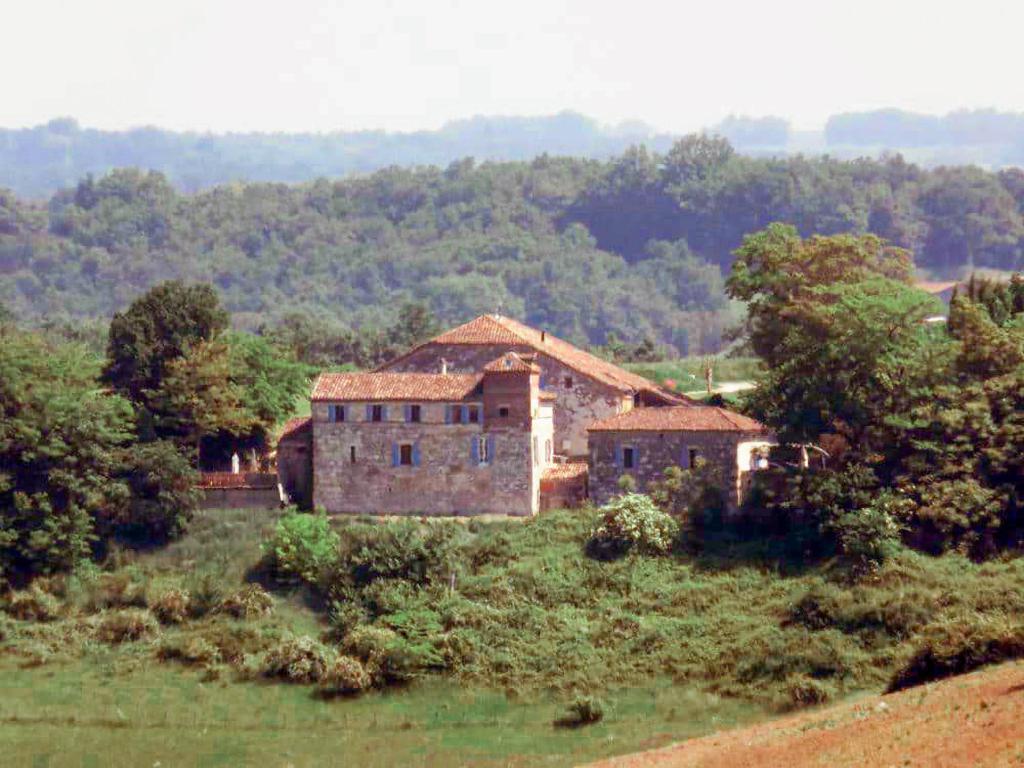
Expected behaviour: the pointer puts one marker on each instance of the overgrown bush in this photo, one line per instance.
(206, 592)
(303, 546)
(960, 645)
(867, 536)
(250, 602)
(126, 626)
(803, 691)
(584, 710)
(345, 676)
(172, 606)
(633, 522)
(189, 650)
(32, 604)
(297, 660)
(407, 549)
(121, 589)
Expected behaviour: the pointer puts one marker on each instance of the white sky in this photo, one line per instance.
(317, 65)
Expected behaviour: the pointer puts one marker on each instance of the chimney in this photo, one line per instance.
(543, 336)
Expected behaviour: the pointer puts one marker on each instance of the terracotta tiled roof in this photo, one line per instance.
(510, 362)
(296, 429)
(498, 330)
(237, 480)
(567, 471)
(394, 386)
(687, 418)
(548, 396)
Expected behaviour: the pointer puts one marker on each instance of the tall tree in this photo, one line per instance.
(157, 329)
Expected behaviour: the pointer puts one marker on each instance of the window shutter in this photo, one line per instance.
(465, 414)
(369, 412)
(383, 413)
(407, 411)
(543, 381)
(684, 458)
(416, 453)
(396, 456)
(474, 450)
(490, 449)
(448, 414)
(331, 412)
(618, 455)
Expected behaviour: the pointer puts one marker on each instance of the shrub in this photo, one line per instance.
(389, 658)
(584, 710)
(867, 536)
(804, 691)
(32, 604)
(633, 522)
(303, 546)
(190, 650)
(345, 676)
(401, 549)
(126, 626)
(250, 602)
(958, 646)
(297, 660)
(114, 590)
(206, 591)
(172, 606)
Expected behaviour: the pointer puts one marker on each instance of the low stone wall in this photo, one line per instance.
(240, 498)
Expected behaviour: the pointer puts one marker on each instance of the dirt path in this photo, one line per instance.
(973, 720)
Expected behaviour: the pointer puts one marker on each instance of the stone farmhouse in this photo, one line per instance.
(495, 417)
(586, 388)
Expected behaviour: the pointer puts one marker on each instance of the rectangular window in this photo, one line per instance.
(547, 451)
(405, 454)
(414, 414)
(503, 411)
(377, 413)
(536, 453)
(483, 450)
(456, 414)
(628, 457)
(352, 454)
(692, 457)
(335, 413)
(568, 382)
(474, 414)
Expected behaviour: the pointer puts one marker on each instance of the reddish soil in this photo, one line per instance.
(972, 720)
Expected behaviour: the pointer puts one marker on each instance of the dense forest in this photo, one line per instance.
(631, 248)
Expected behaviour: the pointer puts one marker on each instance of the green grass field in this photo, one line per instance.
(110, 710)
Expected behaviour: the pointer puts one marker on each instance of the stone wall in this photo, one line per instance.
(655, 451)
(446, 480)
(240, 498)
(577, 405)
(295, 469)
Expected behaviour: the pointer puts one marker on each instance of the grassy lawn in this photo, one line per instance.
(111, 711)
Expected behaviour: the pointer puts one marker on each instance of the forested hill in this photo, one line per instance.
(634, 246)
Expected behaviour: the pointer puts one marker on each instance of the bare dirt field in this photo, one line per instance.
(973, 720)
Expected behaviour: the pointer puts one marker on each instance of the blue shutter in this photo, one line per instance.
(448, 414)
(407, 412)
(490, 449)
(465, 414)
(416, 453)
(369, 412)
(474, 450)
(330, 412)
(543, 381)
(618, 455)
(396, 456)
(383, 413)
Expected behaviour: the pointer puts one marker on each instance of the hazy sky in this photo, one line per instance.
(317, 65)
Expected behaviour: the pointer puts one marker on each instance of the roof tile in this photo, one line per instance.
(686, 418)
(424, 387)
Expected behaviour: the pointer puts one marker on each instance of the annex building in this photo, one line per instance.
(495, 417)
